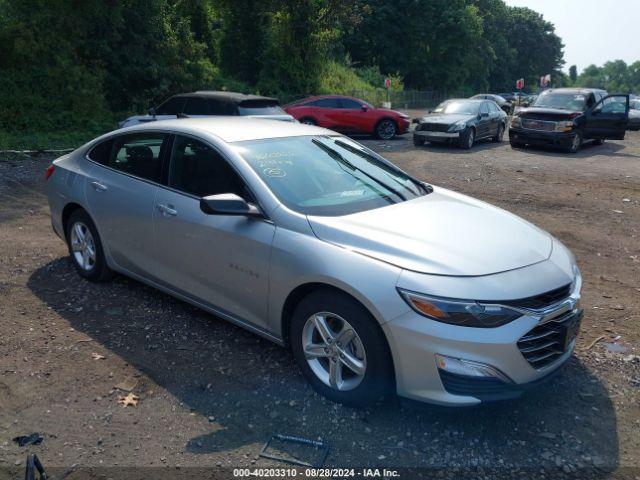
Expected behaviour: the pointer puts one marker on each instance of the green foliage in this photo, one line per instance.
(615, 76)
(78, 66)
(573, 74)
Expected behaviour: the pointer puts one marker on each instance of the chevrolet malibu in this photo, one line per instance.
(376, 281)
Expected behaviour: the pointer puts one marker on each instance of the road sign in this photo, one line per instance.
(387, 83)
(520, 84)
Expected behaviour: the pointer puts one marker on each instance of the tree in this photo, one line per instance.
(573, 74)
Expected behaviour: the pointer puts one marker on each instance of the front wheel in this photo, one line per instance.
(85, 248)
(576, 143)
(340, 349)
(386, 129)
(467, 137)
(418, 141)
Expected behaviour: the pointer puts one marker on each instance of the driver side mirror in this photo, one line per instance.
(228, 204)
(152, 112)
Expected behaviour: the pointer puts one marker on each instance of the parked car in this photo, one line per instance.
(349, 115)
(634, 114)
(566, 117)
(211, 103)
(505, 105)
(462, 121)
(376, 281)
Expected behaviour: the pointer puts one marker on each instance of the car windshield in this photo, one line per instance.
(458, 106)
(329, 176)
(562, 101)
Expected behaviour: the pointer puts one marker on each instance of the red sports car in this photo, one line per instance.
(349, 115)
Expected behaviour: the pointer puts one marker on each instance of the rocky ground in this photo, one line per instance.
(210, 394)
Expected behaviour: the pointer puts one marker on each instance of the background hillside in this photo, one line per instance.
(77, 66)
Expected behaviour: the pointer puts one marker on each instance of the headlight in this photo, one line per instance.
(564, 126)
(516, 121)
(466, 313)
(460, 125)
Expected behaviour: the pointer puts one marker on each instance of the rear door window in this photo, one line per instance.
(327, 103)
(260, 107)
(196, 106)
(101, 152)
(139, 155)
(173, 106)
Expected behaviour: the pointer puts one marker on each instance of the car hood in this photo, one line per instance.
(446, 118)
(283, 116)
(443, 233)
(547, 113)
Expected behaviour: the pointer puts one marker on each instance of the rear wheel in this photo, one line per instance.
(386, 129)
(500, 135)
(85, 248)
(467, 137)
(340, 349)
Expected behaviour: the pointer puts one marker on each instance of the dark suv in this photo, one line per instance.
(212, 103)
(566, 117)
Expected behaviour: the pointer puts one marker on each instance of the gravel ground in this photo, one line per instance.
(210, 394)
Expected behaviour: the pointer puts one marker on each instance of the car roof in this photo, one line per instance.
(233, 97)
(232, 129)
(574, 90)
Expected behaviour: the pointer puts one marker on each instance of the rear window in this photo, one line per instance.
(260, 107)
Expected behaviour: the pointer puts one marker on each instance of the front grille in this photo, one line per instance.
(543, 125)
(483, 388)
(539, 302)
(545, 343)
(434, 127)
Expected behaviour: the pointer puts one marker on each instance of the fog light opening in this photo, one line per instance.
(469, 368)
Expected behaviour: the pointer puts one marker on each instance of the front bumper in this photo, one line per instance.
(514, 351)
(436, 135)
(541, 138)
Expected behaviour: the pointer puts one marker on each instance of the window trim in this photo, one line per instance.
(166, 158)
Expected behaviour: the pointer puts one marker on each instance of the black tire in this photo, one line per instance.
(386, 129)
(98, 271)
(418, 141)
(467, 138)
(515, 144)
(378, 379)
(308, 121)
(575, 144)
(500, 135)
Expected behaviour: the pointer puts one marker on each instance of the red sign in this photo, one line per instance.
(520, 84)
(387, 82)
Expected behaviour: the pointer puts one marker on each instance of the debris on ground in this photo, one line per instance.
(33, 439)
(129, 399)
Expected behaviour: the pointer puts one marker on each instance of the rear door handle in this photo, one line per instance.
(99, 187)
(167, 210)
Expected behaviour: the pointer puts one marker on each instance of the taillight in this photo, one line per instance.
(49, 171)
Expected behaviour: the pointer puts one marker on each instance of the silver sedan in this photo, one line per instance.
(376, 281)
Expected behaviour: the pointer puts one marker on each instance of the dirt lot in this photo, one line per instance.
(211, 394)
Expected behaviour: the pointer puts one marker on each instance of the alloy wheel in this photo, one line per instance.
(334, 351)
(470, 138)
(83, 246)
(386, 129)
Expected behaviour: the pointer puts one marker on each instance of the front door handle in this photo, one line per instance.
(99, 187)
(167, 210)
